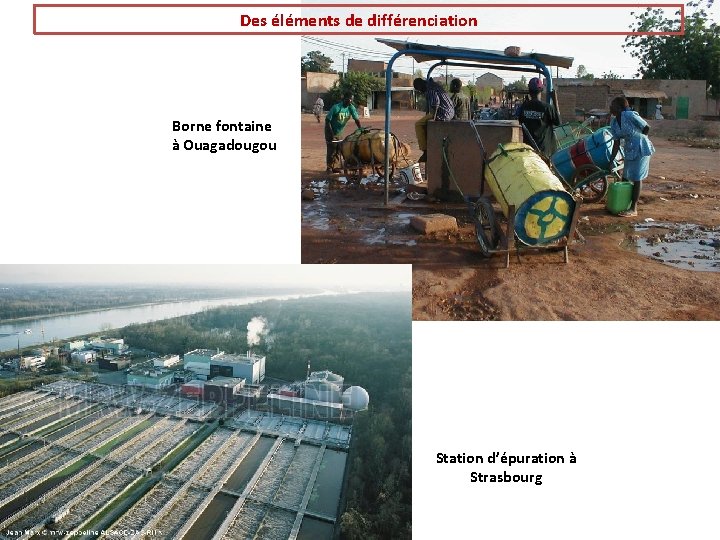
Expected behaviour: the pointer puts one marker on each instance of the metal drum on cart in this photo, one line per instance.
(366, 148)
(519, 178)
(586, 164)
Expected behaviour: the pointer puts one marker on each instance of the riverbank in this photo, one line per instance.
(30, 318)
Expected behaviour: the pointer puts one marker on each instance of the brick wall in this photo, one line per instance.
(566, 101)
(587, 97)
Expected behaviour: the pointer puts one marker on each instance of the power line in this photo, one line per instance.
(346, 47)
(351, 50)
(402, 63)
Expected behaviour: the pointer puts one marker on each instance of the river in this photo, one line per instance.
(60, 327)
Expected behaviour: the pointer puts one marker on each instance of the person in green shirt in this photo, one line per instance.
(335, 121)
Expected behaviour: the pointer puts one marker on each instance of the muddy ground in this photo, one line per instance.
(662, 265)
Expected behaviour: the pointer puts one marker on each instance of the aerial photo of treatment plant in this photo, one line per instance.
(193, 411)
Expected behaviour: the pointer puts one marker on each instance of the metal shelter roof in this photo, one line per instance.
(435, 52)
(461, 56)
(644, 94)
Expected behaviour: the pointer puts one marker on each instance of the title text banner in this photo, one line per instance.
(345, 19)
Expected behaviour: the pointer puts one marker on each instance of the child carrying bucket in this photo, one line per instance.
(628, 125)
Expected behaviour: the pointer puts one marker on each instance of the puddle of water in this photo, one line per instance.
(393, 229)
(682, 245)
(397, 225)
(316, 216)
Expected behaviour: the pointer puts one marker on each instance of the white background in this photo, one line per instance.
(636, 403)
(87, 162)
(87, 174)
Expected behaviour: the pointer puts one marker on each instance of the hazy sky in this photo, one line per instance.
(356, 277)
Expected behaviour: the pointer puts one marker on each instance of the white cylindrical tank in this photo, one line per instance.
(356, 398)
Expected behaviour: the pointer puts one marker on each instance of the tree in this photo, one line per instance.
(361, 85)
(354, 525)
(316, 62)
(693, 55)
(53, 366)
(520, 84)
(582, 73)
(610, 75)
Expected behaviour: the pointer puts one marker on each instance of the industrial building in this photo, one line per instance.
(319, 396)
(229, 391)
(208, 364)
(113, 364)
(201, 356)
(108, 345)
(198, 361)
(76, 345)
(307, 408)
(223, 389)
(249, 367)
(29, 362)
(192, 389)
(167, 361)
(324, 386)
(155, 380)
(83, 357)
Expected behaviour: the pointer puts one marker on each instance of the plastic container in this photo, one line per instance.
(594, 149)
(519, 177)
(411, 175)
(619, 197)
(367, 146)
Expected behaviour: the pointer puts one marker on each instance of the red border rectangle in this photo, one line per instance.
(680, 32)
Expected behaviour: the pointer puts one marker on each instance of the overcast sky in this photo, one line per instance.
(329, 276)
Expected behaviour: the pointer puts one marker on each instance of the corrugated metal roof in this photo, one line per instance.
(441, 52)
(644, 94)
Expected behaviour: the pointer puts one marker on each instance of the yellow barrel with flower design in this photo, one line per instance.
(519, 177)
(367, 146)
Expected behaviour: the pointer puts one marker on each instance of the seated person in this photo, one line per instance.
(439, 107)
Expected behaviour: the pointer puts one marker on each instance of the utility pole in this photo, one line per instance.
(343, 67)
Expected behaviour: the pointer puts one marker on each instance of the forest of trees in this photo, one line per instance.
(367, 339)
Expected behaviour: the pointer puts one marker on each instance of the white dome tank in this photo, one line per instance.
(356, 398)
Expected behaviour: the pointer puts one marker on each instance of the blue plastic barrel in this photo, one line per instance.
(594, 149)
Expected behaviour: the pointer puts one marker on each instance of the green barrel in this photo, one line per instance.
(619, 197)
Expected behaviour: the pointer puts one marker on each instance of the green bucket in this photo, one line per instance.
(619, 197)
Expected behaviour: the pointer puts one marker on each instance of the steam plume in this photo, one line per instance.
(257, 328)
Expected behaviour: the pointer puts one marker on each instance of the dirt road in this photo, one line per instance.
(644, 268)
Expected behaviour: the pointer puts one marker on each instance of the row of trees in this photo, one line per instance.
(18, 300)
